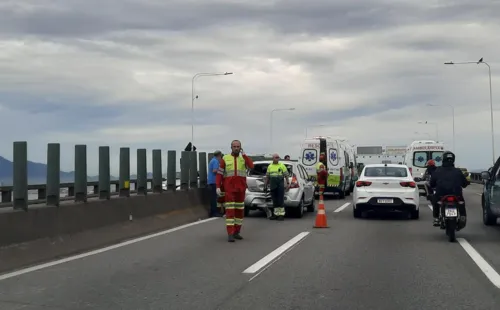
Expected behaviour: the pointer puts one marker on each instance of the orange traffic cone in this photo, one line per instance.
(321, 215)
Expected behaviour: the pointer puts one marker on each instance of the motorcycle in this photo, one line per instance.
(449, 215)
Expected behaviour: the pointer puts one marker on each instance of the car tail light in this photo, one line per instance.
(408, 184)
(363, 183)
(450, 199)
(294, 183)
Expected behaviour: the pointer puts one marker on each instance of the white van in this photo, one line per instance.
(417, 155)
(338, 164)
(352, 162)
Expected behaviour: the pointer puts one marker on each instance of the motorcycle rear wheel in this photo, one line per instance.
(451, 228)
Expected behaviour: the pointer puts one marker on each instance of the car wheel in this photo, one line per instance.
(356, 213)
(342, 195)
(415, 214)
(298, 212)
(311, 207)
(488, 218)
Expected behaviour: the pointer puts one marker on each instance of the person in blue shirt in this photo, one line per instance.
(213, 167)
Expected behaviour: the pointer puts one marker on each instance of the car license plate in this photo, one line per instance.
(451, 212)
(385, 200)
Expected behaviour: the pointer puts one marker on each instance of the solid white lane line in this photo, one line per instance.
(430, 207)
(486, 268)
(98, 251)
(276, 253)
(479, 194)
(342, 207)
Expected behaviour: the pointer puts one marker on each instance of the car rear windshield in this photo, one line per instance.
(394, 172)
(261, 169)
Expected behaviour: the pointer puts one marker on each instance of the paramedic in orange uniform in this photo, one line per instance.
(232, 174)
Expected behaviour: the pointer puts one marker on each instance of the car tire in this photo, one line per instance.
(312, 206)
(356, 213)
(415, 214)
(342, 194)
(246, 211)
(298, 212)
(488, 218)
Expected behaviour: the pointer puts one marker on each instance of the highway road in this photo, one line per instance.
(385, 263)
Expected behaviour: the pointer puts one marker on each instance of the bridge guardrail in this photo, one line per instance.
(475, 177)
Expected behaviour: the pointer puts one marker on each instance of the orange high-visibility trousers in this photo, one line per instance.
(235, 209)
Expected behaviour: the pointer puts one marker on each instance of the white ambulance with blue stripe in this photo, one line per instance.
(337, 163)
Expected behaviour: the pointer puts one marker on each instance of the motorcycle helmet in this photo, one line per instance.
(448, 157)
(430, 163)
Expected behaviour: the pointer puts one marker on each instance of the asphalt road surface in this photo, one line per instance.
(389, 263)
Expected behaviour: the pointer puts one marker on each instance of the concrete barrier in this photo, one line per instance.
(475, 177)
(46, 232)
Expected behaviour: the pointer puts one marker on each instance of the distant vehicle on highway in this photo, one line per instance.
(490, 198)
(339, 163)
(417, 155)
(386, 188)
(300, 195)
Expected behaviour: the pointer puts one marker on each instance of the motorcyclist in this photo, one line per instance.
(448, 180)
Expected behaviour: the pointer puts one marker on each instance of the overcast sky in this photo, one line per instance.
(118, 73)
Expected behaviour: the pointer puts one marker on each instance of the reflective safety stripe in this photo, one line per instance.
(321, 202)
(229, 205)
(239, 205)
(231, 162)
(238, 221)
(279, 211)
(230, 222)
(220, 171)
(321, 211)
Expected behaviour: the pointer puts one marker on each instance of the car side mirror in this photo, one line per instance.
(485, 175)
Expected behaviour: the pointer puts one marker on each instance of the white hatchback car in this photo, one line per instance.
(386, 187)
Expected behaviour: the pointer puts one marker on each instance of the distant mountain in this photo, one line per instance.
(37, 174)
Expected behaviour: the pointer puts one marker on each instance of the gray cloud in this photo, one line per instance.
(119, 73)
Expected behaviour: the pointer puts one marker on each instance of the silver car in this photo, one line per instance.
(300, 195)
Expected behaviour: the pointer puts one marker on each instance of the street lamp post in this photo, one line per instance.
(271, 123)
(193, 98)
(435, 124)
(314, 126)
(491, 98)
(452, 113)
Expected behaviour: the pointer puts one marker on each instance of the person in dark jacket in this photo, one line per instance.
(448, 180)
(431, 168)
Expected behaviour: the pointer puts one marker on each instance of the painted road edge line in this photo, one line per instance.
(101, 250)
(485, 267)
(342, 207)
(276, 253)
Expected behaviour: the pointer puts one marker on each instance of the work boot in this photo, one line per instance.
(230, 238)
(237, 236)
(436, 222)
(281, 218)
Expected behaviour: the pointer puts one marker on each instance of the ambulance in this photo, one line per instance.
(417, 155)
(338, 163)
